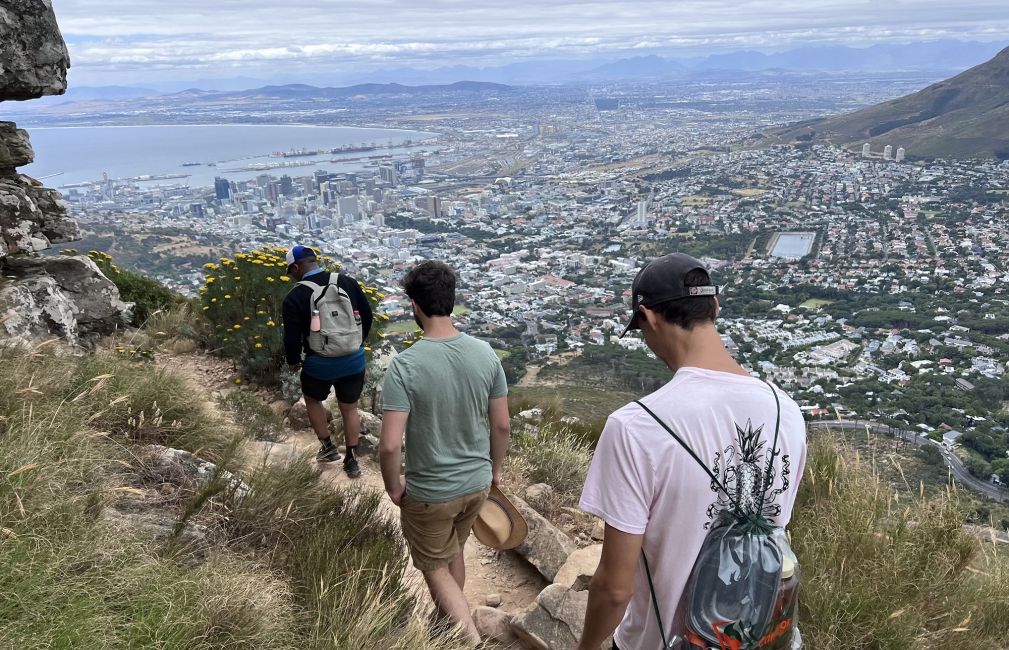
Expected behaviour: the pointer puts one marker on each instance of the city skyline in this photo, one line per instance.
(118, 42)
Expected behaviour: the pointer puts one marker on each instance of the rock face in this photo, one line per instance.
(33, 56)
(579, 568)
(546, 547)
(494, 624)
(40, 297)
(554, 621)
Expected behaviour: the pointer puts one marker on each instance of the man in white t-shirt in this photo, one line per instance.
(651, 494)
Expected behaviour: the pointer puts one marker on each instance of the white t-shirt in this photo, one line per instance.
(642, 481)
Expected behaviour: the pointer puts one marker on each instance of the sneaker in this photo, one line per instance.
(351, 467)
(327, 455)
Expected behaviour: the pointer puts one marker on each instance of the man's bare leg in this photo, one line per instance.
(457, 567)
(317, 417)
(450, 600)
(351, 424)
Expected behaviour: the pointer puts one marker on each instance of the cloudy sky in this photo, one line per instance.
(130, 41)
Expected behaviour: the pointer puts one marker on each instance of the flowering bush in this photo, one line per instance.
(243, 299)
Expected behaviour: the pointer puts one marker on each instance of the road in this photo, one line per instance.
(960, 473)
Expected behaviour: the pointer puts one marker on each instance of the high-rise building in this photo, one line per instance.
(866, 150)
(196, 209)
(888, 152)
(286, 185)
(900, 154)
(222, 188)
(348, 206)
(389, 175)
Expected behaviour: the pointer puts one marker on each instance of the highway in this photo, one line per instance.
(960, 473)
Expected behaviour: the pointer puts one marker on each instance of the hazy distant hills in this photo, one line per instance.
(966, 116)
(295, 91)
(933, 57)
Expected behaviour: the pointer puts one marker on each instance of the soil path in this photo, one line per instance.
(487, 571)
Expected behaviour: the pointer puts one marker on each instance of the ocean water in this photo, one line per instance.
(68, 155)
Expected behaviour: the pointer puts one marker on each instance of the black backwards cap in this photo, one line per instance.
(661, 281)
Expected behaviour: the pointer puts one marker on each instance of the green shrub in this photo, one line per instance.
(243, 297)
(148, 296)
(253, 415)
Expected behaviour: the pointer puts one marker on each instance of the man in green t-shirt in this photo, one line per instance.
(441, 393)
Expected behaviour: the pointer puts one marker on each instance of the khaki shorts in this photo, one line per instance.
(437, 532)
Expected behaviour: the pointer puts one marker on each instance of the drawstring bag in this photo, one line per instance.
(743, 592)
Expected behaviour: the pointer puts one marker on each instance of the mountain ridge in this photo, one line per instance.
(965, 116)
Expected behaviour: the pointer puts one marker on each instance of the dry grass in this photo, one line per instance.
(886, 572)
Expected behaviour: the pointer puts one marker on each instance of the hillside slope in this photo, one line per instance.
(966, 116)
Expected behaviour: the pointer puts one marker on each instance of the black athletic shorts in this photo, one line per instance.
(348, 389)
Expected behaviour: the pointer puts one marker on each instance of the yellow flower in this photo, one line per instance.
(259, 346)
(225, 261)
(227, 296)
(238, 278)
(269, 279)
(257, 261)
(237, 380)
(236, 326)
(203, 290)
(248, 318)
(367, 349)
(210, 266)
(211, 279)
(285, 278)
(213, 300)
(206, 307)
(270, 323)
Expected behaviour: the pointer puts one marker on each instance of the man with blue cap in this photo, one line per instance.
(327, 318)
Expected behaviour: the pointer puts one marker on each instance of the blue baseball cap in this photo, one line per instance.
(298, 253)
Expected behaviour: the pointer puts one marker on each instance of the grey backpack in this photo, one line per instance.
(339, 331)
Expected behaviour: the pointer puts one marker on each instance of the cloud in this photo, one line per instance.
(236, 35)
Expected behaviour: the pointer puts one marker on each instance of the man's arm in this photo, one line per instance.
(362, 304)
(295, 315)
(389, 446)
(500, 434)
(612, 586)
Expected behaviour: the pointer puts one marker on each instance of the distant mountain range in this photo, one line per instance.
(933, 57)
(966, 116)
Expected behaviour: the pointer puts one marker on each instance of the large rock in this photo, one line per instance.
(494, 625)
(15, 147)
(554, 621)
(33, 56)
(31, 218)
(297, 416)
(540, 496)
(579, 568)
(546, 547)
(65, 296)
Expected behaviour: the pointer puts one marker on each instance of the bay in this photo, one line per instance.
(81, 154)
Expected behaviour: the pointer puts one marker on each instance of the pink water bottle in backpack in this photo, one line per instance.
(316, 323)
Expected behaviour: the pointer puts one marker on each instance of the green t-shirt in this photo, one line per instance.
(445, 385)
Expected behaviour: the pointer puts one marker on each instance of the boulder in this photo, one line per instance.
(494, 625)
(32, 218)
(297, 416)
(34, 58)
(546, 547)
(66, 296)
(367, 444)
(539, 496)
(492, 600)
(15, 148)
(178, 461)
(280, 407)
(370, 424)
(554, 621)
(579, 568)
